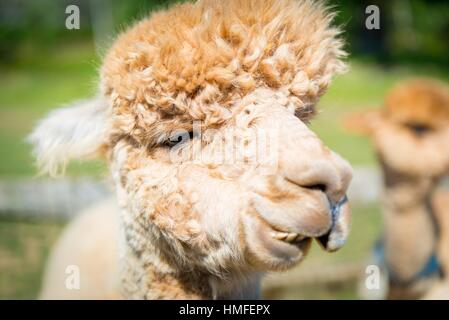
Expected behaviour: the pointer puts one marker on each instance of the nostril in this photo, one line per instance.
(312, 185)
(319, 186)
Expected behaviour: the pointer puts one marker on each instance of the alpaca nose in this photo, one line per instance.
(330, 175)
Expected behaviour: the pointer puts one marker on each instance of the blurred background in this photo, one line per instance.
(44, 65)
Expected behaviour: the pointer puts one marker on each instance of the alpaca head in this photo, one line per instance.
(203, 118)
(411, 131)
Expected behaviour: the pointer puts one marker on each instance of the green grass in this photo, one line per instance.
(24, 246)
(30, 88)
(336, 291)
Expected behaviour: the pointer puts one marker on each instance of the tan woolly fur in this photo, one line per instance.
(203, 214)
(210, 55)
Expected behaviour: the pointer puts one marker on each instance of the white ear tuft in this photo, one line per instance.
(73, 132)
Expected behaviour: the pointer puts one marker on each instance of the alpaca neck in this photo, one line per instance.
(148, 273)
(410, 229)
(157, 280)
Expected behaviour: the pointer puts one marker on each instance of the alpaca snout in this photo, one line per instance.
(331, 176)
(339, 231)
(283, 228)
(305, 161)
(327, 178)
(308, 200)
(307, 214)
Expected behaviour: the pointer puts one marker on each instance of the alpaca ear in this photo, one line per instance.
(73, 132)
(362, 122)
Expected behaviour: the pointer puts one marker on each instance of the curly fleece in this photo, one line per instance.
(195, 60)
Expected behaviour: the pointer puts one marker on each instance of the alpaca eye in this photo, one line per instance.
(306, 113)
(178, 138)
(418, 129)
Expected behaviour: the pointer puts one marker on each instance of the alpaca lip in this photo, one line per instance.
(323, 240)
(336, 237)
(280, 243)
(285, 221)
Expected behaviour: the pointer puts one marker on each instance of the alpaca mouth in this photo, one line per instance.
(326, 222)
(271, 248)
(291, 238)
(279, 238)
(300, 243)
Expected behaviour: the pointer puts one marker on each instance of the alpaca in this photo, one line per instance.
(410, 134)
(177, 91)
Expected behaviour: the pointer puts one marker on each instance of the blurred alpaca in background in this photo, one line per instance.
(411, 138)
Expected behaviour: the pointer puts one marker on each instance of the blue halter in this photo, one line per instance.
(431, 268)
